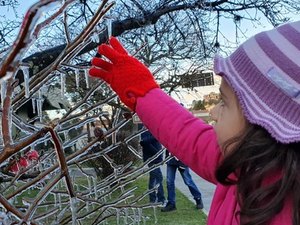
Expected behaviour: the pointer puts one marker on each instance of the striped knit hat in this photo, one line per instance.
(265, 75)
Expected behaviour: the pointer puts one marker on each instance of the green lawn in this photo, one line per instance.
(186, 213)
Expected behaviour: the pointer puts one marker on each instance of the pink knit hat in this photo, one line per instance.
(265, 74)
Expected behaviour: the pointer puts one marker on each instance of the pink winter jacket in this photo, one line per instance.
(194, 143)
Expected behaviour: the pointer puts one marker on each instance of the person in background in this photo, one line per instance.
(252, 153)
(150, 147)
(172, 166)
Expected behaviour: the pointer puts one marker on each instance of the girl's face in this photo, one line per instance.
(228, 115)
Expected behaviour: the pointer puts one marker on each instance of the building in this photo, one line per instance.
(212, 96)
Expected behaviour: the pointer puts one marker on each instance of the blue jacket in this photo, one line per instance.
(150, 147)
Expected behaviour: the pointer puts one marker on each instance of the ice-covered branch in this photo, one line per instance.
(11, 62)
(62, 162)
(6, 115)
(10, 150)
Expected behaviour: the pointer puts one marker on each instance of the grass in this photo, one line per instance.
(186, 213)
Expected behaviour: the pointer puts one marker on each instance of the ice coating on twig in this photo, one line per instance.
(62, 84)
(77, 76)
(86, 75)
(25, 71)
(3, 92)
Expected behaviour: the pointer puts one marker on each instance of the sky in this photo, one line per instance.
(24, 6)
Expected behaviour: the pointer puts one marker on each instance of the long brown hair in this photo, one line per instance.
(256, 157)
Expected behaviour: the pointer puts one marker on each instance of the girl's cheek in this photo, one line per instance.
(218, 132)
(220, 113)
(214, 112)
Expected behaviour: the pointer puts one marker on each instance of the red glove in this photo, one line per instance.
(127, 76)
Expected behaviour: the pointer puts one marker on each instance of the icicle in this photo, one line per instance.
(155, 216)
(145, 218)
(39, 109)
(109, 26)
(72, 179)
(1, 141)
(116, 172)
(126, 216)
(62, 84)
(87, 206)
(25, 202)
(86, 74)
(90, 186)
(7, 76)
(104, 199)
(25, 70)
(133, 215)
(3, 92)
(76, 71)
(33, 100)
(59, 217)
(109, 195)
(40, 94)
(95, 38)
(66, 135)
(44, 90)
(140, 214)
(40, 166)
(59, 201)
(39, 105)
(118, 216)
(73, 202)
(95, 187)
(55, 199)
(122, 189)
(114, 138)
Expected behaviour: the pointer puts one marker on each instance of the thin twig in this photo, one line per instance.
(62, 162)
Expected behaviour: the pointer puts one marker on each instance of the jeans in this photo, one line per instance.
(155, 177)
(186, 176)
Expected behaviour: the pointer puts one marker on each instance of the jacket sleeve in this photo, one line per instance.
(188, 138)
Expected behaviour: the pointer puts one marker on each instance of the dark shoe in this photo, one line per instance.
(199, 203)
(168, 208)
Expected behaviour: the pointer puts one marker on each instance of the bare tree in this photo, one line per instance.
(60, 196)
(79, 165)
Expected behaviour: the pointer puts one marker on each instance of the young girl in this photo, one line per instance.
(252, 153)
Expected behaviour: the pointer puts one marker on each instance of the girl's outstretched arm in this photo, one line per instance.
(188, 138)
